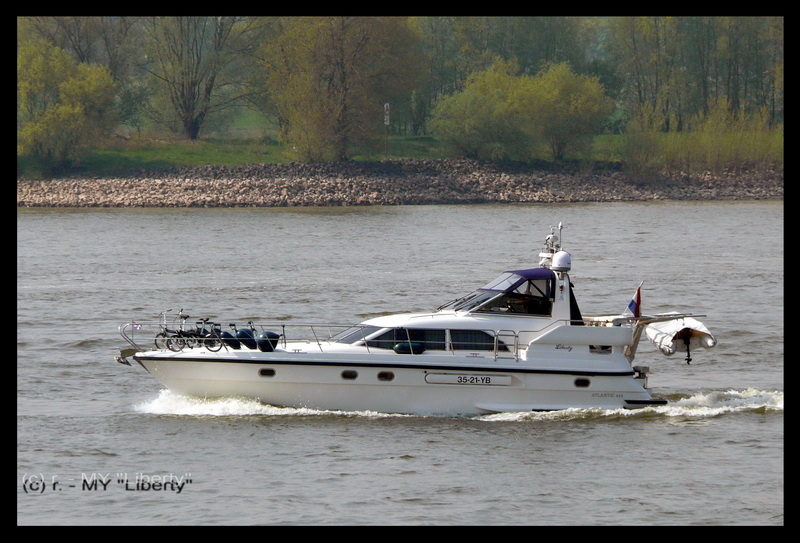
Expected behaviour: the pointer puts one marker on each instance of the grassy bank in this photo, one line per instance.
(640, 154)
(146, 153)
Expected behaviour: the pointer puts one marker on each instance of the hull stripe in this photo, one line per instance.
(444, 367)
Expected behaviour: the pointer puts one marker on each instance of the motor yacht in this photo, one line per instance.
(519, 343)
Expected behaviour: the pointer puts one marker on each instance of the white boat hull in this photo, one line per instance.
(405, 385)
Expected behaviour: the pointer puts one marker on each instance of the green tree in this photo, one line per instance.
(502, 116)
(329, 78)
(646, 52)
(113, 42)
(675, 68)
(62, 107)
(567, 108)
(192, 61)
(488, 119)
(533, 42)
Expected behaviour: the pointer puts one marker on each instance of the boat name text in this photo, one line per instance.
(467, 379)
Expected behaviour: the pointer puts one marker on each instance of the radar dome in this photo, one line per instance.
(562, 261)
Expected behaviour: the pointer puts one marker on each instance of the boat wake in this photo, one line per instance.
(171, 403)
(701, 405)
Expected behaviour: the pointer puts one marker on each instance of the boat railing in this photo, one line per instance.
(139, 331)
(143, 335)
(302, 337)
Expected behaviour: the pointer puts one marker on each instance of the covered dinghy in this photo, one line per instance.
(680, 335)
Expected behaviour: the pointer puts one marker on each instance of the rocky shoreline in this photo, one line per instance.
(401, 182)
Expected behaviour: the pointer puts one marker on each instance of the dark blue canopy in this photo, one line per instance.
(535, 273)
(509, 280)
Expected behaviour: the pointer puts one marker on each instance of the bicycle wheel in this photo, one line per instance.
(161, 340)
(213, 342)
(175, 344)
(189, 341)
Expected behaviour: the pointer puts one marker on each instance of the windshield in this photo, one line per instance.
(354, 334)
(505, 282)
(474, 300)
(527, 292)
(527, 297)
(470, 301)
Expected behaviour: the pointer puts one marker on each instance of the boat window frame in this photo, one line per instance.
(360, 332)
(462, 345)
(515, 287)
(472, 300)
(401, 334)
(518, 299)
(404, 334)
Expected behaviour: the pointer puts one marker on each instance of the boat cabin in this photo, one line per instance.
(470, 323)
(522, 292)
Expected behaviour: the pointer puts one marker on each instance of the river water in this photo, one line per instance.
(99, 443)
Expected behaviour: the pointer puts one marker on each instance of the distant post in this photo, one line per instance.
(386, 131)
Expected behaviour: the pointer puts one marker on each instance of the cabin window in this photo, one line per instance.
(474, 340)
(385, 376)
(266, 372)
(471, 301)
(530, 297)
(525, 292)
(354, 334)
(350, 375)
(428, 338)
(582, 382)
(434, 339)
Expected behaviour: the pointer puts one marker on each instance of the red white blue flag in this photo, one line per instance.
(635, 305)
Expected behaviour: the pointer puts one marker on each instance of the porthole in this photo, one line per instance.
(266, 372)
(582, 382)
(349, 374)
(385, 376)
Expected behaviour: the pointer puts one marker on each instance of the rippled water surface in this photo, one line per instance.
(713, 456)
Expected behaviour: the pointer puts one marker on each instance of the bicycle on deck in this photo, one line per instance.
(178, 337)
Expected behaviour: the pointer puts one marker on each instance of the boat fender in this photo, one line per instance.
(267, 341)
(409, 348)
(230, 341)
(246, 337)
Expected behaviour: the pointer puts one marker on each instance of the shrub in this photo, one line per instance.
(485, 120)
(62, 108)
(499, 115)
